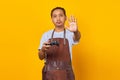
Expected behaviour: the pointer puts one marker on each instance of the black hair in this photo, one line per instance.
(58, 8)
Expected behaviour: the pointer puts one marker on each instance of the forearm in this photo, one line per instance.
(77, 35)
(41, 54)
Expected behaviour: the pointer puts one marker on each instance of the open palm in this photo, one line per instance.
(72, 24)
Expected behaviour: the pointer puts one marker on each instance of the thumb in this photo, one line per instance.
(67, 27)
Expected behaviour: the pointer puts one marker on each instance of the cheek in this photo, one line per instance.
(53, 20)
(64, 19)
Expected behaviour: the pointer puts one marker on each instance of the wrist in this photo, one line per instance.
(76, 31)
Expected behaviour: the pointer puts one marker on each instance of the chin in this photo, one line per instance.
(59, 25)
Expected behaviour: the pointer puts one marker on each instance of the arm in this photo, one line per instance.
(73, 27)
(77, 35)
(42, 51)
(41, 54)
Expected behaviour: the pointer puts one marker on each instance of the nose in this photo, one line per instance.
(58, 18)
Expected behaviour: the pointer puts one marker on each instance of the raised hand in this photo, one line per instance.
(72, 24)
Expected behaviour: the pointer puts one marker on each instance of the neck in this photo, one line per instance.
(59, 29)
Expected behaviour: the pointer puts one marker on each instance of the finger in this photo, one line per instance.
(46, 49)
(73, 19)
(45, 43)
(69, 20)
(47, 46)
(66, 27)
(76, 22)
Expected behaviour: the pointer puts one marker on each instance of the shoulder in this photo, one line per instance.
(48, 33)
(69, 33)
(46, 36)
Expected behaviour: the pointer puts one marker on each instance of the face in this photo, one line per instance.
(58, 18)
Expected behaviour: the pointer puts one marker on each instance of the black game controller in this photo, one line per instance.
(54, 43)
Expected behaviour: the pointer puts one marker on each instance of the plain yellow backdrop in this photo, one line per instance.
(22, 23)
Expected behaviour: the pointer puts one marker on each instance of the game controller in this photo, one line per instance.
(54, 43)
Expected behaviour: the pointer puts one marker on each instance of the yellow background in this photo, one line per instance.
(22, 23)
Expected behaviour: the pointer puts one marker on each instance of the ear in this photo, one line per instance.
(65, 18)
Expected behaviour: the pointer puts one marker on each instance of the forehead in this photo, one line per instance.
(58, 11)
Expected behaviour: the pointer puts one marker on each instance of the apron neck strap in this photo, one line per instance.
(63, 36)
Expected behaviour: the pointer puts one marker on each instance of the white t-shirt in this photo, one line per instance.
(69, 35)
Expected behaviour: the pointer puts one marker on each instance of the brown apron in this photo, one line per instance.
(58, 62)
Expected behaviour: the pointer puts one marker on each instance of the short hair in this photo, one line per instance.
(58, 8)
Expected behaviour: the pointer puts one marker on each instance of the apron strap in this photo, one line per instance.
(63, 36)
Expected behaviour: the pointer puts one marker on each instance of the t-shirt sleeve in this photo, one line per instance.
(43, 39)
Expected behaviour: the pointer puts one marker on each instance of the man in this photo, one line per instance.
(56, 47)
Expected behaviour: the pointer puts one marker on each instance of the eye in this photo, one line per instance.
(54, 16)
(61, 15)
